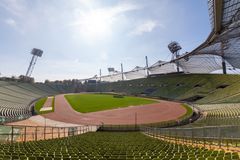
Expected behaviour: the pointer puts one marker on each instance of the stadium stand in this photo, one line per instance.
(216, 97)
(219, 114)
(198, 88)
(16, 97)
(108, 145)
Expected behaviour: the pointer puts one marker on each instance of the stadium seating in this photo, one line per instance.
(45, 88)
(108, 145)
(198, 88)
(61, 88)
(217, 95)
(15, 98)
(218, 114)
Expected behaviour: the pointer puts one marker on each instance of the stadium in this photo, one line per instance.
(186, 108)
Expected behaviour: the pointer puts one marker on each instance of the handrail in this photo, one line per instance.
(18, 133)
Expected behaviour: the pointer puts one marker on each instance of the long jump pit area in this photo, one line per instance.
(143, 114)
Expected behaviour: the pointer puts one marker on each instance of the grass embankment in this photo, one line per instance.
(85, 103)
(39, 104)
(188, 113)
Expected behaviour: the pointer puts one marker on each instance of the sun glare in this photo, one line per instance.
(95, 24)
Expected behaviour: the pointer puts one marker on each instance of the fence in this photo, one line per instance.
(119, 128)
(10, 134)
(219, 136)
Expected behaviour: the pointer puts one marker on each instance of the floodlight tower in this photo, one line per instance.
(35, 54)
(146, 58)
(175, 48)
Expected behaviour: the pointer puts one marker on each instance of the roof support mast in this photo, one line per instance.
(218, 7)
(147, 65)
(223, 59)
(100, 75)
(122, 71)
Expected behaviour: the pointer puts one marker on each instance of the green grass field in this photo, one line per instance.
(39, 104)
(85, 103)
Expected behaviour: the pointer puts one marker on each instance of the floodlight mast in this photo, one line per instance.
(146, 58)
(122, 71)
(175, 48)
(35, 54)
(223, 58)
(100, 75)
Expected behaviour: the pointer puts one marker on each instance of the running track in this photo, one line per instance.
(152, 113)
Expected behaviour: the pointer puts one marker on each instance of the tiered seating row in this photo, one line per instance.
(109, 145)
(219, 114)
(15, 98)
(12, 112)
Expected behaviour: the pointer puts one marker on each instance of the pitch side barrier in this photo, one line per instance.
(137, 127)
(219, 136)
(18, 133)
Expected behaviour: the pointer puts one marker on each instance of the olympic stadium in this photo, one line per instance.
(184, 109)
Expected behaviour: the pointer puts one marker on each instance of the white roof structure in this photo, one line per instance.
(136, 73)
(162, 67)
(222, 45)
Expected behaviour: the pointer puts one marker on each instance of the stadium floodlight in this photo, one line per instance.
(35, 54)
(174, 48)
(111, 69)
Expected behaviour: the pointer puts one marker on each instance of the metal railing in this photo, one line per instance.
(219, 136)
(11, 134)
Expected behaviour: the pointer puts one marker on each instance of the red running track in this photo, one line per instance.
(152, 113)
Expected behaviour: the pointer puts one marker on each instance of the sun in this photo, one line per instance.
(95, 24)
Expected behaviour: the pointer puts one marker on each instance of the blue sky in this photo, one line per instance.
(79, 37)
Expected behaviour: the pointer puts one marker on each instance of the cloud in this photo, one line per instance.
(145, 27)
(14, 25)
(11, 22)
(23, 18)
(15, 7)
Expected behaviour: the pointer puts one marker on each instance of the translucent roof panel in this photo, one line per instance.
(211, 49)
(232, 52)
(106, 78)
(226, 43)
(230, 8)
(211, 12)
(204, 63)
(162, 68)
(116, 77)
(136, 74)
(158, 63)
